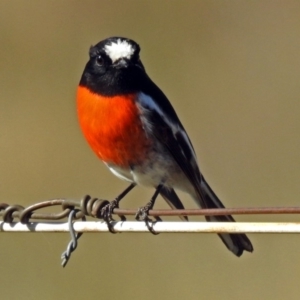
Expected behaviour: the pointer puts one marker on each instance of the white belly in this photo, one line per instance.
(155, 170)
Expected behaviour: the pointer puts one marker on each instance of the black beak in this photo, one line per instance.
(121, 63)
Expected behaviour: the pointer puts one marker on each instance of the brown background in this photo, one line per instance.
(231, 70)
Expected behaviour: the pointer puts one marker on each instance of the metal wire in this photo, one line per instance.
(31, 217)
(66, 255)
(160, 227)
(92, 207)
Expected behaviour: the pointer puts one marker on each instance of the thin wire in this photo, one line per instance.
(93, 207)
(215, 211)
(162, 227)
(66, 255)
(89, 206)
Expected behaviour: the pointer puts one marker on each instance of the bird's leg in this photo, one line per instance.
(143, 212)
(107, 210)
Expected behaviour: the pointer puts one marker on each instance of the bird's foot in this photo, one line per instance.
(106, 214)
(143, 215)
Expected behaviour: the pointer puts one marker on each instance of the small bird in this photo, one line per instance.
(132, 127)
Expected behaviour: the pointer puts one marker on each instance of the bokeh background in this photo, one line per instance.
(230, 68)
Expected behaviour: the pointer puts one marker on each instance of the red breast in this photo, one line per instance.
(112, 127)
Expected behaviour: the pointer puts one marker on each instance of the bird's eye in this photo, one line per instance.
(99, 60)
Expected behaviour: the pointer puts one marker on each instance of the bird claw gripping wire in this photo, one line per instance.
(143, 215)
(107, 210)
(143, 212)
(106, 214)
(74, 238)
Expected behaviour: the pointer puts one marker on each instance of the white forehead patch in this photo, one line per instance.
(118, 50)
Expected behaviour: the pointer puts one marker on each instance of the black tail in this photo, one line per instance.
(236, 243)
(173, 200)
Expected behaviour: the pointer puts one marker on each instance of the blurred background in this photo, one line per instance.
(231, 70)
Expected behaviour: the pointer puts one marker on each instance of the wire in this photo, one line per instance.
(161, 227)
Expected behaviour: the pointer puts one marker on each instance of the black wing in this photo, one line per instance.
(164, 124)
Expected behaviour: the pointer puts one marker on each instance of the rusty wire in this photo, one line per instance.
(92, 207)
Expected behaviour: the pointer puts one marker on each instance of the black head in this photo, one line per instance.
(114, 67)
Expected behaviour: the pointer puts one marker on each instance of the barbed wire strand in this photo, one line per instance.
(74, 239)
(31, 219)
(89, 206)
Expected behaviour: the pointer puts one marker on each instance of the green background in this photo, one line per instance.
(230, 68)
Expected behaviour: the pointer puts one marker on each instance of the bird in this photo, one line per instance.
(132, 127)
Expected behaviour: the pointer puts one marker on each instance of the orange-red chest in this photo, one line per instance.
(112, 127)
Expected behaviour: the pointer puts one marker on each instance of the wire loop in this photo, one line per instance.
(74, 238)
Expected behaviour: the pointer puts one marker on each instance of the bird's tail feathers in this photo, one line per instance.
(173, 200)
(206, 198)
